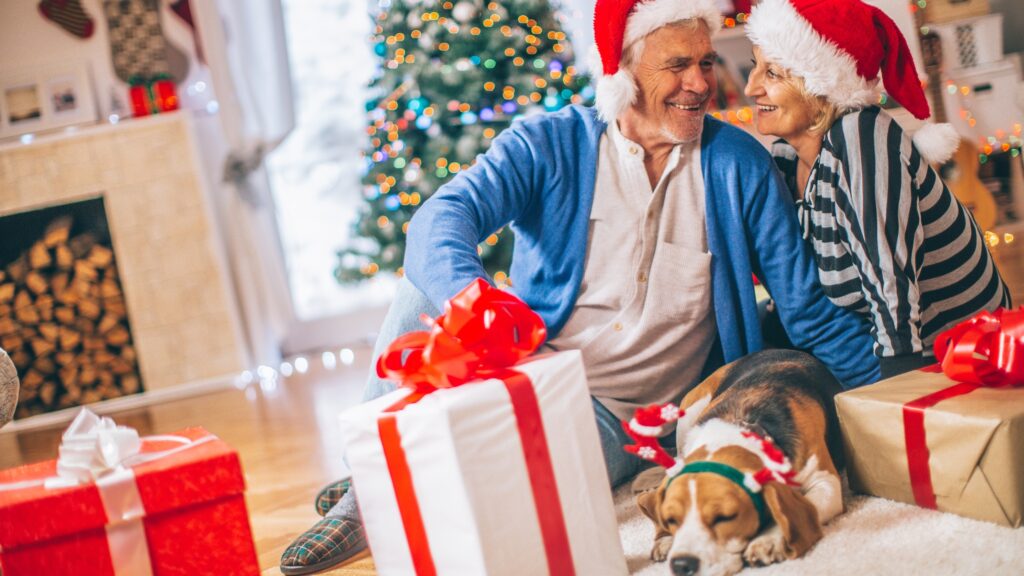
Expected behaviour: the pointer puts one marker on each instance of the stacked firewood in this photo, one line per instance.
(64, 324)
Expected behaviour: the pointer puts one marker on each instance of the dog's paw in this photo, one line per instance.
(768, 548)
(661, 547)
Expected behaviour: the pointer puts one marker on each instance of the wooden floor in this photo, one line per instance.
(288, 435)
(287, 438)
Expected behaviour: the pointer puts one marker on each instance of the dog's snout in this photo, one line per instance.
(685, 565)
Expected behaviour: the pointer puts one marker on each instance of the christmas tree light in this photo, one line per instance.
(452, 76)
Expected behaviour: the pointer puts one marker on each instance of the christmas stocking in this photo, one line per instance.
(184, 11)
(69, 15)
(138, 46)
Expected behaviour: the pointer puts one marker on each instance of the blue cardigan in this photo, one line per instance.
(539, 175)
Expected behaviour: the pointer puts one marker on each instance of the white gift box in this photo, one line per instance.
(474, 489)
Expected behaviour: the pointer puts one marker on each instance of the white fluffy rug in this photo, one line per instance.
(874, 537)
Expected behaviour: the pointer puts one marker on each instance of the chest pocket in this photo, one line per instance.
(680, 284)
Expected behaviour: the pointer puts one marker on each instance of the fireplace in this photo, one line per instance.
(136, 195)
(63, 318)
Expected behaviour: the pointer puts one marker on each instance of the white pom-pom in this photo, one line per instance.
(614, 94)
(936, 142)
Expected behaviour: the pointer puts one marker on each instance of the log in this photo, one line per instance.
(90, 397)
(119, 336)
(108, 322)
(81, 245)
(65, 315)
(130, 384)
(8, 326)
(84, 270)
(59, 283)
(49, 331)
(100, 256)
(27, 316)
(110, 288)
(7, 292)
(65, 358)
(65, 259)
(45, 366)
(39, 256)
(18, 269)
(36, 283)
(69, 338)
(32, 379)
(115, 306)
(69, 376)
(47, 393)
(57, 231)
(11, 342)
(41, 347)
(89, 309)
(87, 376)
(22, 300)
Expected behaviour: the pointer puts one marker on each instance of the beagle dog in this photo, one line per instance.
(756, 476)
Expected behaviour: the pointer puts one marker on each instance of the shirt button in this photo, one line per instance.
(618, 326)
(633, 150)
(642, 277)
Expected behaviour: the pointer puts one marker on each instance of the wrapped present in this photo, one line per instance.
(483, 462)
(947, 437)
(117, 504)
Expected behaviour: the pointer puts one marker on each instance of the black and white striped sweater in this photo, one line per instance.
(891, 241)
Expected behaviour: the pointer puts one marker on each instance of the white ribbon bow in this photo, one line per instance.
(92, 447)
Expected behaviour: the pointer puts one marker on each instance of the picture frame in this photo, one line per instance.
(45, 97)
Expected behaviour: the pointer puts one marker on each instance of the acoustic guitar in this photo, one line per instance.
(960, 173)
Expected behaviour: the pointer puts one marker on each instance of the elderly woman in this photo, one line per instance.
(891, 242)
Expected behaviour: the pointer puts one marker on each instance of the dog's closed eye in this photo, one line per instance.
(722, 519)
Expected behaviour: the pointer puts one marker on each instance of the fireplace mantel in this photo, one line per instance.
(185, 323)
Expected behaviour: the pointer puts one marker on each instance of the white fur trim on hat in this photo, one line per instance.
(653, 14)
(936, 142)
(786, 38)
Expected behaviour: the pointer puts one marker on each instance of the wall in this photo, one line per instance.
(27, 38)
(1013, 23)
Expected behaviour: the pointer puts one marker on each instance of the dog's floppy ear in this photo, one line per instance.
(650, 503)
(795, 515)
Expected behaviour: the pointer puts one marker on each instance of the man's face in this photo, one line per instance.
(676, 79)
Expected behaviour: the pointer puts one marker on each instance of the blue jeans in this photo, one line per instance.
(404, 317)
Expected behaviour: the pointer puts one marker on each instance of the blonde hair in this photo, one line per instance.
(824, 111)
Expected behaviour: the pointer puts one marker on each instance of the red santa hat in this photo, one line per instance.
(839, 48)
(618, 24)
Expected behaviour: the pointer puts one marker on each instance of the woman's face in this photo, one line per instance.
(780, 108)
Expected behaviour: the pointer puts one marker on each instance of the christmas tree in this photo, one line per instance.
(453, 76)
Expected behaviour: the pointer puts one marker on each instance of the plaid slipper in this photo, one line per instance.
(328, 543)
(330, 495)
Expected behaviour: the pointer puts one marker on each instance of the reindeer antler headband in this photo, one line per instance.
(646, 426)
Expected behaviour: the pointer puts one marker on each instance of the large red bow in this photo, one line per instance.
(987, 349)
(482, 330)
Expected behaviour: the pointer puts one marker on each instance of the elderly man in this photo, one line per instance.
(637, 225)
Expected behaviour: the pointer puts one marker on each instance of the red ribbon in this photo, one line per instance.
(986, 350)
(481, 335)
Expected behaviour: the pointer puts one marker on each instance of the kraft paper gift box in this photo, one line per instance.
(479, 505)
(485, 462)
(926, 439)
(179, 510)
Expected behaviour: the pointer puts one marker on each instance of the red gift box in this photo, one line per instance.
(182, 513)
